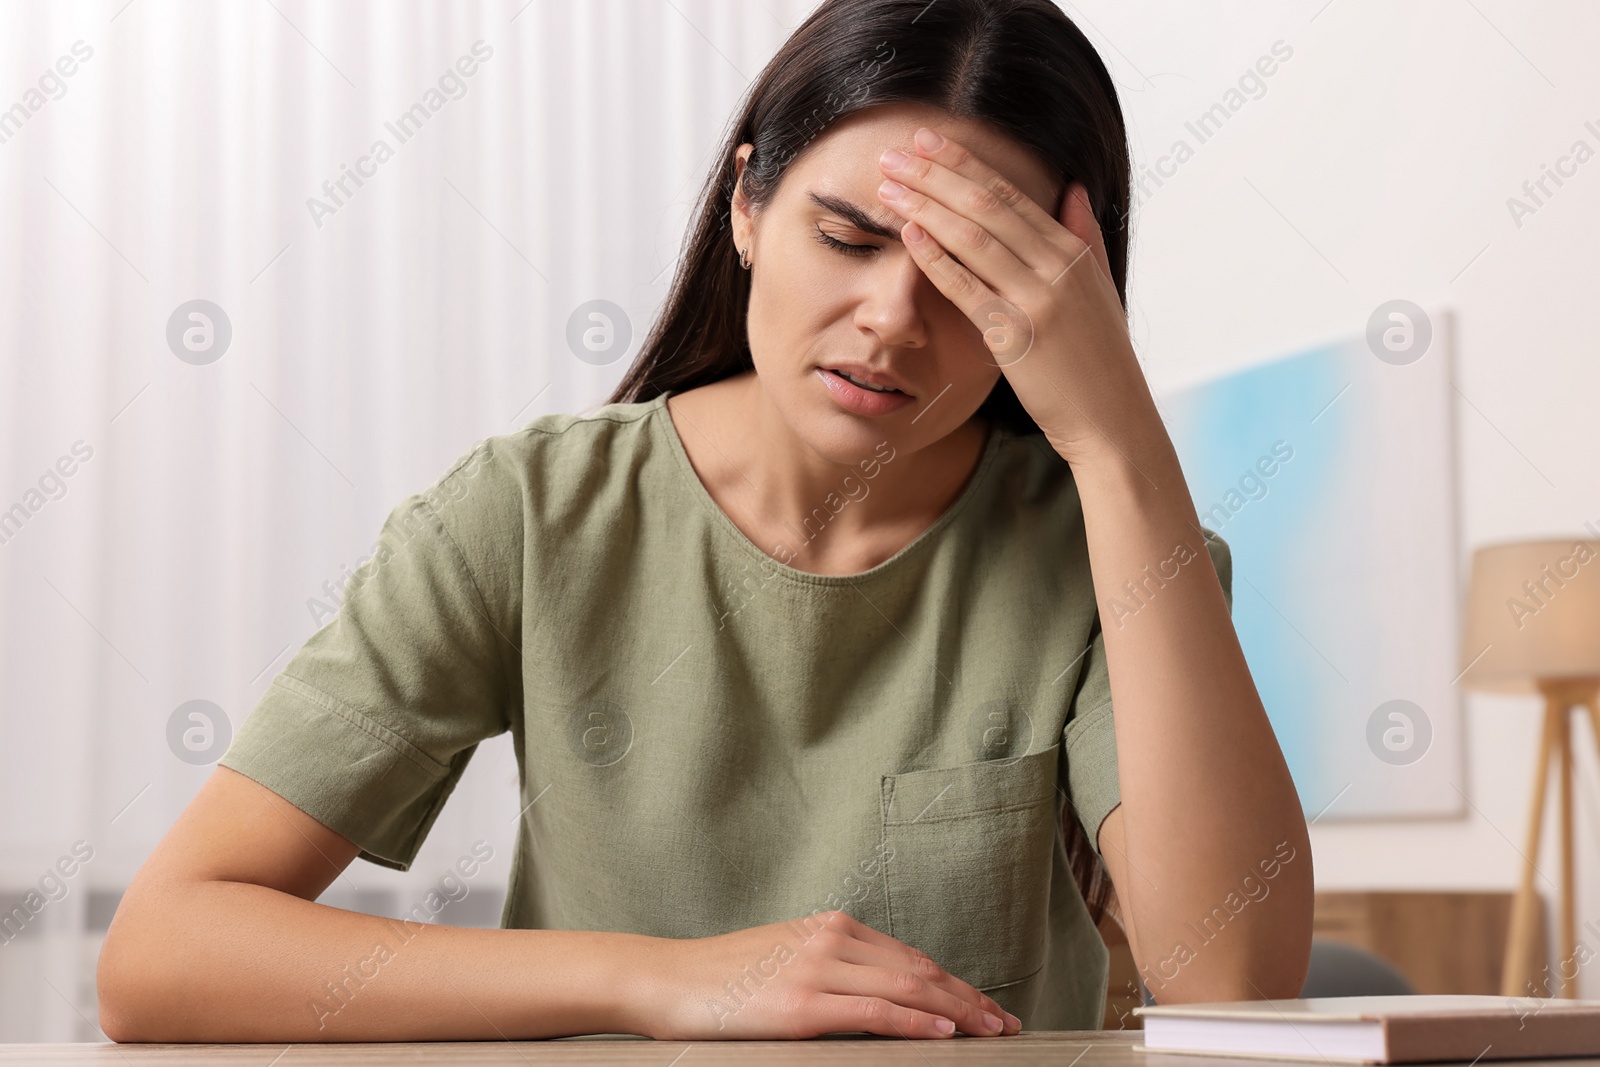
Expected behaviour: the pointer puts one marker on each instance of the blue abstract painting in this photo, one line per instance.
(1330, 473)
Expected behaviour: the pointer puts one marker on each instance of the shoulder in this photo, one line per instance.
(1035, 483)
(556, 473)
(1031, 475)
(565, 437)
(1222, 559)
(608, 420)
(551, 458)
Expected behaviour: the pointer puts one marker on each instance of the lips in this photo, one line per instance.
(872, 381)
(859, 399)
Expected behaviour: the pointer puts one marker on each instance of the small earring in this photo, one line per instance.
(744, 258)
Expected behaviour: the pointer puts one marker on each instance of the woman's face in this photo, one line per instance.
(819, 311)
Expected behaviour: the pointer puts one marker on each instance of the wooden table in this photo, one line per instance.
(1059, 1048)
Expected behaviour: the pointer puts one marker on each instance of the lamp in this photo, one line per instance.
(1533, 626)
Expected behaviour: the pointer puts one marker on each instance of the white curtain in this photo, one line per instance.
(173, 513)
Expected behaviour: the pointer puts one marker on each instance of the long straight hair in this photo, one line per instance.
(1020, 66)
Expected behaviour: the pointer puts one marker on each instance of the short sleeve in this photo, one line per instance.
(1089, 737)
(370, 724)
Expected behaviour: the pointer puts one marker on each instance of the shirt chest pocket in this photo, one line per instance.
(967, 877)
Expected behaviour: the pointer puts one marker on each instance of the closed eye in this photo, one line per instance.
(843, 247)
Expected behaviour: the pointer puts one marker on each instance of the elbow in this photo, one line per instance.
(116, 1027)
(122, 1018)
(1262, 951)
(119, 1020)
(1282, 977)
(1281, 959)
(130, 987)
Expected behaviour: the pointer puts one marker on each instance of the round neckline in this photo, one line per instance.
(720, 518)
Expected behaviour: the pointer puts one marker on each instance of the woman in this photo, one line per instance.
(803, 640)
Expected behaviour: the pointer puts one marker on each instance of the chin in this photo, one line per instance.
(837, 435)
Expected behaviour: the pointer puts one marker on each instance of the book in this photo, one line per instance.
(1391, 1029)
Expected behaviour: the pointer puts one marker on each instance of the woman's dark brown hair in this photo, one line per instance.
(1020, 66)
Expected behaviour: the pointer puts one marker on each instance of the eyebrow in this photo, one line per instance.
(854, 215)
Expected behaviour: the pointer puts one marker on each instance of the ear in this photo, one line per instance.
(739, 207)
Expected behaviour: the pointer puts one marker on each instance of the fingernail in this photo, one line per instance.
(1014, 1020)
(929, 141)
(891, 189)
(893, 158)
(991, 1022)
(944, 1026)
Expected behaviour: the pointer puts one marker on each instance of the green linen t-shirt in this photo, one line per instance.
(709, 739)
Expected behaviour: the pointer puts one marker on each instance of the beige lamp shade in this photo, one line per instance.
(1533, 615)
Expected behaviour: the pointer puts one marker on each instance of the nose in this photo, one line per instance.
(893, 302)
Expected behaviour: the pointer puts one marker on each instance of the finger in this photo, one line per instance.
(970, 187)
(875, 949)
(1078, 216)
(919, 988)
(870, 935)
(958, 158)
(846, 1013)
(980, 252)
(960, 286)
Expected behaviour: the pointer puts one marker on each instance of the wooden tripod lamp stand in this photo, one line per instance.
(1533, 626)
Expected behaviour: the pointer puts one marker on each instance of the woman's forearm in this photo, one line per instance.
(232, 962)
(1208, 805)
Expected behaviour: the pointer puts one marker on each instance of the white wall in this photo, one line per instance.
(430, 311)
(1377, 165)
